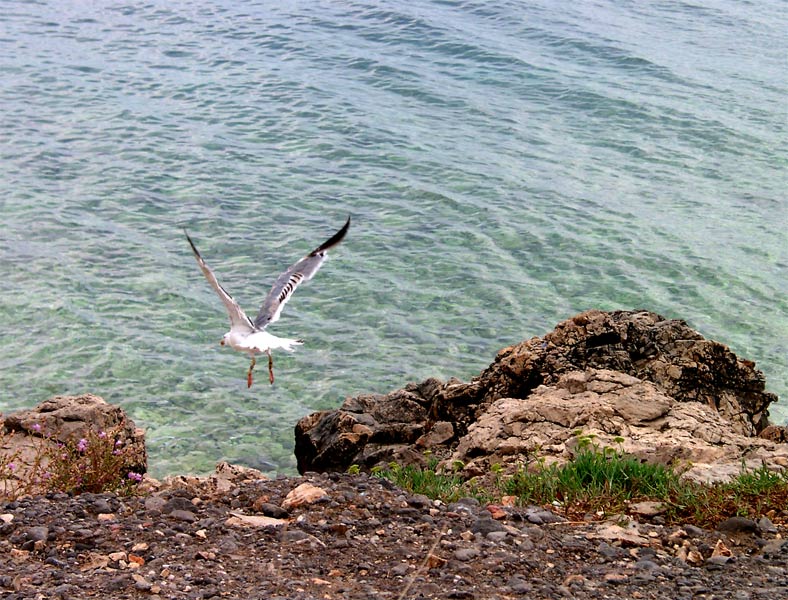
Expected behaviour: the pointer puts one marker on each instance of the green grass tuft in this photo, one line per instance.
(600, 482)
(447, 487)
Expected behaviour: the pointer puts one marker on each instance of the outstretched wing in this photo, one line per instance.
(238, 318)
(287, 282)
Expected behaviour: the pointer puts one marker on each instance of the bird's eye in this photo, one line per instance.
(221, 342)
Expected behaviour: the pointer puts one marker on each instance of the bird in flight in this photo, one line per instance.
(250, 336)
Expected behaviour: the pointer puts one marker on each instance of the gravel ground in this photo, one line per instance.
(360, 537)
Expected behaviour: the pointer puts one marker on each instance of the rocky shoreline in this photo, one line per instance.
(654, 387)
(358, 537)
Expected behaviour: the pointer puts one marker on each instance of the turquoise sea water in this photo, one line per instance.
(506, 164)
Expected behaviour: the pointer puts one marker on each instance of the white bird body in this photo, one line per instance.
(258, 342)
(250, 336)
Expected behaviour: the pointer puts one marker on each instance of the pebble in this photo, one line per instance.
(465, 554)
(464, 506)
(719, 561)
(646, 565)
(738, 525)
(65, 591)
(101, 505)
(693, 531)
(434, 561)
(775, 549)
(306, 493)
(177, 503)
(496, 512)
(400, 570)
(485, 525)
(615, 577)
(539, 516)
(38, 534)
(765, 525)
(419, 501)
(155, 504)
(183, 515)
(141, 583)
(648, 508)
(497, 536)
(519, 585)
(271, 510)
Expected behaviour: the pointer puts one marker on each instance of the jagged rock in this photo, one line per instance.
(367, 429)
(632, 374)
(775, 433)
(68, 419)
(618, 411)
(666, 352)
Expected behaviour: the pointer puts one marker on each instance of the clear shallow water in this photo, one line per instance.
(506, 166)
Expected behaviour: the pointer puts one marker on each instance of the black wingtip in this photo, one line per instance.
(334, 240)
(191, 243)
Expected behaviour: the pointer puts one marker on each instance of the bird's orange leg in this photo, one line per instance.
(270, 366)
(249, 373)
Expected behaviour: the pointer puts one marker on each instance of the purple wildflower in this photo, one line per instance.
(82, 445)
(11, 466)
(37, 427)
(102, 434)
(135, 476)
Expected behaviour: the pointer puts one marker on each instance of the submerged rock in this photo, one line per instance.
(657, 383)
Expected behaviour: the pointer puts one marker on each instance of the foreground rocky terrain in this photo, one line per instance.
(326, 536)
(649, 386)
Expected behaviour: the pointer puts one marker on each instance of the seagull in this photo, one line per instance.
(250, 336)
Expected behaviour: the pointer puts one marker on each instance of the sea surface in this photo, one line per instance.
(506, 165)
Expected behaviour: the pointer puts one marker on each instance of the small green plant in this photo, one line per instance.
(353, 470)
(752, 493)
(601, 481)
(596, 479)
(99, 462)
(427, 481)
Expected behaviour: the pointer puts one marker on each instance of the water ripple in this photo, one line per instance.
(506, 165)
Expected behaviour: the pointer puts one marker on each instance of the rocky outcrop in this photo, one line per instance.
(657, 383)
(613, 410)
(27, 434)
